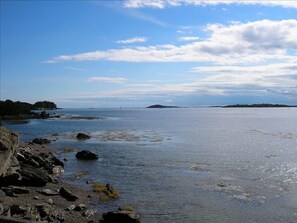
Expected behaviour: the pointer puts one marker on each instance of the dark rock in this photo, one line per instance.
(17, 210)
(86, 155)
(10, 194)
(121, 216)
(67, 194)
(80, 207)
(44, 115)
(41, 141)
(82, 136)
(16, 190)
(32, 176)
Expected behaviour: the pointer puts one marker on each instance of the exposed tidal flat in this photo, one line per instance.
(183, 165)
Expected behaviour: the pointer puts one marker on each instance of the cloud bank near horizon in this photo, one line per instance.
(161, 4)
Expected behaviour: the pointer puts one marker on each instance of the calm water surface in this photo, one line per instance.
(186, 165)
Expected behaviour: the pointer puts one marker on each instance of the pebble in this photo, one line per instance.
(50, 201)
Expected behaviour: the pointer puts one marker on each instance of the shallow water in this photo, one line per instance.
(186, 165)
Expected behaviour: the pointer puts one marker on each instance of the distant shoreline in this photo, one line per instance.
(258, 106)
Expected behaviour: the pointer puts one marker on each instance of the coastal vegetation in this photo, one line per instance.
(258, 106)
(23, 110)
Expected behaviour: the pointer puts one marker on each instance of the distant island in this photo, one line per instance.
(24, 110)
(258, 106)
(162, 106)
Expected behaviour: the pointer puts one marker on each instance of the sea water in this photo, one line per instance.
(188, 165)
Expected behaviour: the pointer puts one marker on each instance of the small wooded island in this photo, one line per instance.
(24, 110)
(258, 106)
(162, 106)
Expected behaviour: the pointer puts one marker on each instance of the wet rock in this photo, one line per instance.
(82, 136)
(67, 194)
(41, 141)
(68, 150)
(120, 216)
(16, 190)
(80, 174)
(86, 155)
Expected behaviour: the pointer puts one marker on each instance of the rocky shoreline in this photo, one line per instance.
(30, 189)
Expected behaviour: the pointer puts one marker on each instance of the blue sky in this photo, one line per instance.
(139, 52)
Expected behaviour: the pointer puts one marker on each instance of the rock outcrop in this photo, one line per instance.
(21, 166)
(9, 141)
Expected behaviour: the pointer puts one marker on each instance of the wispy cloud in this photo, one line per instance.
(133, 40)
(114, 80)
(250, 42)
(160, 4)
(188, 38)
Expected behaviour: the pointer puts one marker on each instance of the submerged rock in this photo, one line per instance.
(86, 155)
(82, 136)
(106, 193)
(41, 141)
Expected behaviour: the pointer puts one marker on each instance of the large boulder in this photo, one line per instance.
(86, 155)
(82, 136)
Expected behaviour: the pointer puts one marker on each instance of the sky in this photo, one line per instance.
(134, 53)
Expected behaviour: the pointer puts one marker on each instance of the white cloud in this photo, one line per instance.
(115, 80)
(133, 40)
(160, 4)
(188, 38)
(250, 42)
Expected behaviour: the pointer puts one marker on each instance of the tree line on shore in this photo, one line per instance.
(17, 108)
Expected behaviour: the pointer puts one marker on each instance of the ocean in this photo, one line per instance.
(184, 165)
